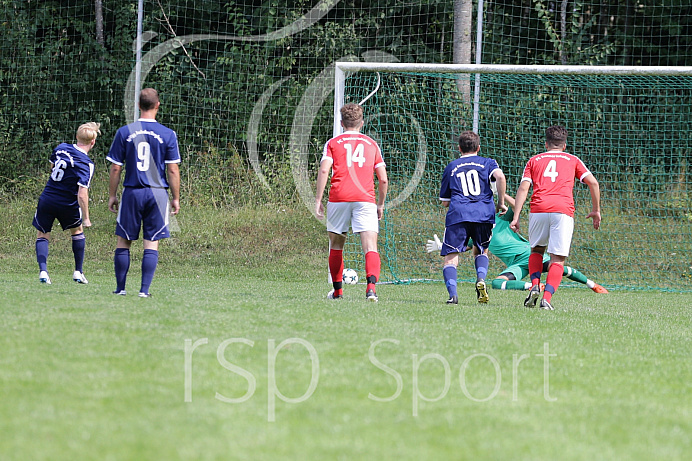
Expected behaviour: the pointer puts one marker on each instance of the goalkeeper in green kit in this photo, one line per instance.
(514, 250)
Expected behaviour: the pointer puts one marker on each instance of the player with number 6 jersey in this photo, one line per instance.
(354, 159)
(551, 218)
(66, 198)
(150, 152)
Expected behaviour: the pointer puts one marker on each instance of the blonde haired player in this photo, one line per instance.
(354, 159)
(66, 198)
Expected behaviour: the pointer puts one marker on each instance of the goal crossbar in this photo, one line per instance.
(511, 69)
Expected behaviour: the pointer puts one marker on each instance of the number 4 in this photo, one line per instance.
(551, 170)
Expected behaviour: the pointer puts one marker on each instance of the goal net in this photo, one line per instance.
(631, 126)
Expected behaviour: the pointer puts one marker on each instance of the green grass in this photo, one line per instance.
(88, 375)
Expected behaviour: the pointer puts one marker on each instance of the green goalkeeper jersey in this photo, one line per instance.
(506, 244)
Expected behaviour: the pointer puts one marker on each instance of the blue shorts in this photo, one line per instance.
(146, 208)
(66, 211)
(457, 236)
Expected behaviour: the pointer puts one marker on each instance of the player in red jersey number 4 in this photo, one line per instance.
(354, 159)
(551, 217)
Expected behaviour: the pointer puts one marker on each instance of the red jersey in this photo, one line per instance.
(552, 175)
(355, 157)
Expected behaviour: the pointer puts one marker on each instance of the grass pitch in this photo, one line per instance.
(239, 356)
(88, 375)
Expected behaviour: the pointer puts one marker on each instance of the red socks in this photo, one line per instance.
(336, 269)
(553, 280)
(535, 268)
(372, 268)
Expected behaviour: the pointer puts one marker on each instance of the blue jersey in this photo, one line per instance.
(72, 169)
(146, 147)
(466, 186)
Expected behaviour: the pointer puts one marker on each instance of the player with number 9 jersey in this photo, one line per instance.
(552, 175)
(355, 157)
(146, 146)
(149, 151)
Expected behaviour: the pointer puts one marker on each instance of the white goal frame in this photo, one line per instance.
(342, 68)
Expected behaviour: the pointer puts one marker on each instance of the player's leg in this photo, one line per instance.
(42, 241)
(43, 222)
(121, 264)
(338, 222)
(155, 212)
(78, 248)
(449, 273)
(366, 224)
(562, 227)
(454, 241)
(336, 263)
(575, 275)
(511, 278)
(368, 240)
(128, 225)
(481, 264)
(150, 261)
(481, 234)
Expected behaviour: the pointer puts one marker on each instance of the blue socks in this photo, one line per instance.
(78, 244)
(122, 265)
(42, 254)
(450, 275)
(481, 263)
(149, 262)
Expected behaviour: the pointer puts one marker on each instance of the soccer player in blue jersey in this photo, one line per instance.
(150, 151)
(66, 198)
(466, 191)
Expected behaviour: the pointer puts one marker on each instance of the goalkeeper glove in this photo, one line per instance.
(433, 245)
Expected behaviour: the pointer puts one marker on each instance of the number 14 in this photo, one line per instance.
(355, 156)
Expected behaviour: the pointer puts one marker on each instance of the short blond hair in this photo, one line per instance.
(87, 132)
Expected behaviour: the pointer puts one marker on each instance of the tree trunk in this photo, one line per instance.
(563, 32)
(463, 19)
(99, 22)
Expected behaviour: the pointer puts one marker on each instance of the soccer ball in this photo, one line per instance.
(350, 277)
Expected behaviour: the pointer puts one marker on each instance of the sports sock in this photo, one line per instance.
(575, 275)
(449, 272)
(42, 253)
(121, 262)
(481, 264)
(78, 244)
(150, 260)
(502, 284)
(553, 280)
(336, 269)
(372, 269)
(535, 268)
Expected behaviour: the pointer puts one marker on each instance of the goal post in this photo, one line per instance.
(630, 125)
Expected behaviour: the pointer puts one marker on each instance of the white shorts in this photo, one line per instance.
(553, 230)
(360, 216)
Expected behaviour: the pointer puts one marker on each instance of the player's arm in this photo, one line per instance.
(522, 193)
(595, 190)
(83, 200)
(509, 200)
(322, 177)
(173, 176)
(382, 186)
(501, 184)
(113, 182)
